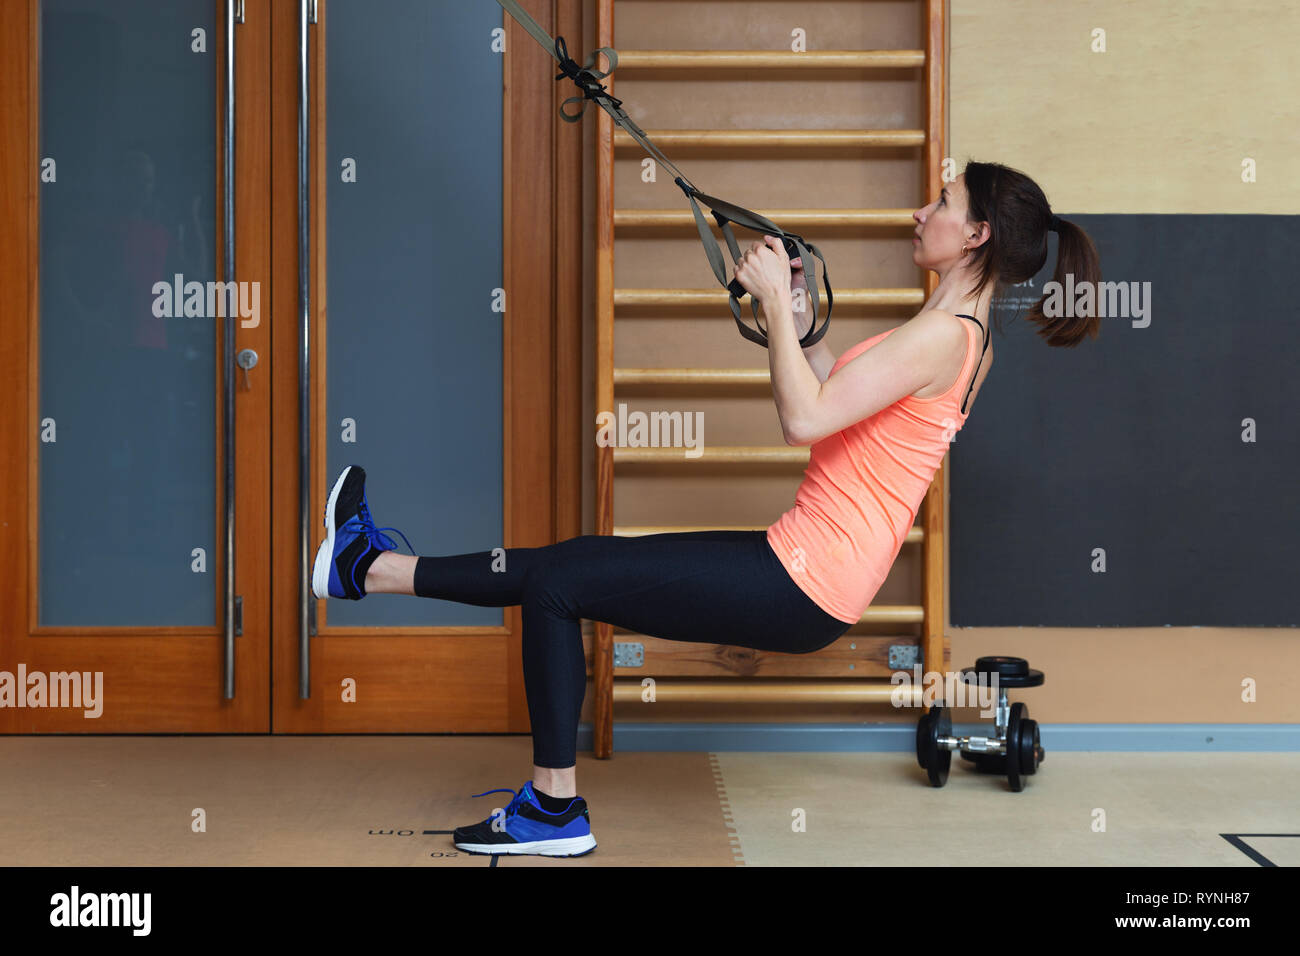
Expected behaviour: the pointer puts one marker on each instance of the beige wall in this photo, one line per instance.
(1159, 123)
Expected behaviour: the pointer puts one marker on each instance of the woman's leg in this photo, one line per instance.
(485, 578)
(723, 587)
(392, 573)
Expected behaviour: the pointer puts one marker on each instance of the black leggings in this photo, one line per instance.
(707, 587)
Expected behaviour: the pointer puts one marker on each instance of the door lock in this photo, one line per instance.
(246, 359)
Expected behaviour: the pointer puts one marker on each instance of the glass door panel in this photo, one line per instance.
(413, 232)
(127, 501)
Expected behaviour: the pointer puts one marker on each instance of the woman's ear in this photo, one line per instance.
(982, 232)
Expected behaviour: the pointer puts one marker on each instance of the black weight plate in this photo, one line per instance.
(1036, 748)
(1003, 666)
(1028, 742)
(938, 761)
(1033, 679)
(1015, 728)
(923, 737)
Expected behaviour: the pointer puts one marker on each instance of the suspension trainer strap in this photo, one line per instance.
(726, 213)
(587, 78)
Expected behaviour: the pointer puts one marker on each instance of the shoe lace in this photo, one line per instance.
(511, 808)
(362, 523)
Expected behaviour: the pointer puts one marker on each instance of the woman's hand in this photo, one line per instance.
(764, 271)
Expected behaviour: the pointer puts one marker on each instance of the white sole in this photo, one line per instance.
(568, 847)
(320, 570)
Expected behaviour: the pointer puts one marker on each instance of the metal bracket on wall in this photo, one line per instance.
(903, 657)
(629, 654)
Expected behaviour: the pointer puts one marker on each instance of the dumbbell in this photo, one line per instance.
(1015, 749)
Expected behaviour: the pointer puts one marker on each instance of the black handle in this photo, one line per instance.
(738, 290)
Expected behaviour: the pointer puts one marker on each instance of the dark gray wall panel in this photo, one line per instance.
(1133, 443)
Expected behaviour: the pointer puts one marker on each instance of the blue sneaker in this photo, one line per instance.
(352, 542)
(524, 827)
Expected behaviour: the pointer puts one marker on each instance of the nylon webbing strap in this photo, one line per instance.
(726, 213)
(587, 78)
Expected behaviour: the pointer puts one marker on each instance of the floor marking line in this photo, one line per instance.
(737, 855)
(1260, 858)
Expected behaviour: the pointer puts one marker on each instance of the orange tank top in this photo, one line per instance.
(862, 489)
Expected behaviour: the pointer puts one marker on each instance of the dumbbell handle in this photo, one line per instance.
(978, 745)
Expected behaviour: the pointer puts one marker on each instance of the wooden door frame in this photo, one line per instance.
(542, 376)
(155, 672)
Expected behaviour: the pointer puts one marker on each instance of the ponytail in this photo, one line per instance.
(1075, 256)
(1019, 220)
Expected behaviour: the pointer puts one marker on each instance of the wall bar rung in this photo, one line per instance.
(702, 377)
(893, 614)
(715, 455)
(629, 60)
(717, 298)
(744, 691)
(671, 139)
(791, 219)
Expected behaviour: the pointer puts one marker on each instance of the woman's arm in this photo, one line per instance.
(796, 378)
(902, 363)
(795, 385)
(820, 359)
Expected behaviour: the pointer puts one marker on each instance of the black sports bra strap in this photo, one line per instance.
(975, 374)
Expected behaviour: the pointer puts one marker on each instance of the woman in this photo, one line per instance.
(879, 420)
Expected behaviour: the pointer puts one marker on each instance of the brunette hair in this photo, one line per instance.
(1019, 220)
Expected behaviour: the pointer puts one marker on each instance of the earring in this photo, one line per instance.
(963, 249)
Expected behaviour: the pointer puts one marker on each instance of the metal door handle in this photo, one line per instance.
(234, 14)
(306, 15)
